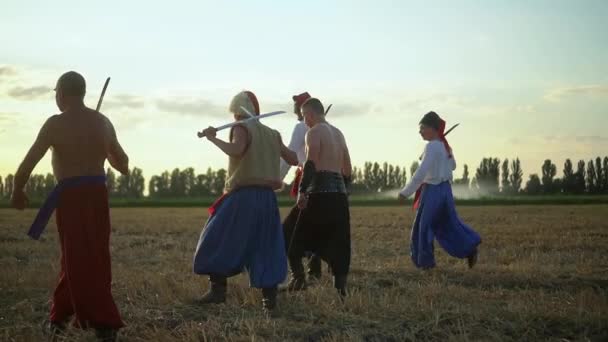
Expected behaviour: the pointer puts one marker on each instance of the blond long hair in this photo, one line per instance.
(247, 100)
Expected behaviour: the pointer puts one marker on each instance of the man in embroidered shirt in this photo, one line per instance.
(298, 145)
(436, 216)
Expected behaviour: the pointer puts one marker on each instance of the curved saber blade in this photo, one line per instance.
(328, 108)
(103, 92)
(247, 112)
(449, 130)
(232, 124)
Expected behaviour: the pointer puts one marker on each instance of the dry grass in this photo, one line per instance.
(542, 275)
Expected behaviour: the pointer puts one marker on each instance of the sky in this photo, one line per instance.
(525, 79)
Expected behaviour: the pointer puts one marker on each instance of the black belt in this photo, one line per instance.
(327, 182)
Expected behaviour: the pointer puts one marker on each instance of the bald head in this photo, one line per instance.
(313, 105)
(72, 84)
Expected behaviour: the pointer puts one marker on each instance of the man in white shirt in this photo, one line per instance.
(436, 216)
(298, 145)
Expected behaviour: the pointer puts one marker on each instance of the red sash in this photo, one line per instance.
(217, 203)
(296, 183)
(417, 196)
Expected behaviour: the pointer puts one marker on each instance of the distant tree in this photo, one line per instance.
(413, 168)
(353, 177)
(569, 179)
(549, 171)
(384, 176)
(465, 175)
(122, 186)
(1, 188)
(605, 173)
(153, 190)
(591, 178)
(8, 185)
(487, 175)
(581, 185)
(504, 175)
(403, 176)
(376, 178)
(111, 182)
(557, 185)
(187, 179)
(367, 176)
(164, 184)
(391, 180)
(599, 176)
(200, 186)
(219, 181)
(516, 176)
(178, 188)
(49, 184)
(136, 183)
(533, 186)
(473, 185)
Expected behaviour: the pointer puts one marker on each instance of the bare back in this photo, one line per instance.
(80, 140)
(326, 146)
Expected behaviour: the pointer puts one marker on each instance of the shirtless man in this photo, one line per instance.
(298, 145)
(81, 140)
(323, 226)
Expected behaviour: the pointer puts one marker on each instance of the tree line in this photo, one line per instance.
(492, 177)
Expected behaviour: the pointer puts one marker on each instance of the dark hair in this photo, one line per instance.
(315, 105)
(72, 84)
(431, 119)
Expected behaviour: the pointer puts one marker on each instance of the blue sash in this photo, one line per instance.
(52, 201)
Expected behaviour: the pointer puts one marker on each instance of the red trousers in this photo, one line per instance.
(84, 290)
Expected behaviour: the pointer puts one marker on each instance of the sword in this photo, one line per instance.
(232, 124)
(103, 92)
(328, 108)
(449, 130)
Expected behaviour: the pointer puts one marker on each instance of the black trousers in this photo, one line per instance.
(322, 228)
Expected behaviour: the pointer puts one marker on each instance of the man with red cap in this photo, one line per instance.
(298, 145)
(243, 231)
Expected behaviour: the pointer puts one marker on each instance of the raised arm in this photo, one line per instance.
(238, 142)
(33, 156)
(115, 154)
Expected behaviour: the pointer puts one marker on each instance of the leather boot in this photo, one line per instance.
(217, 290)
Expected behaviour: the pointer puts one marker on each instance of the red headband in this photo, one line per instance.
(254, 101)
(443, 139)
(300, 99)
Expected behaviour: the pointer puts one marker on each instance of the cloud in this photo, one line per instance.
(559, 94)
(191, 107)
(124, 101)
(344, 109)
(7, 117)
(566, 140)
(7, 71)
(29, 93)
